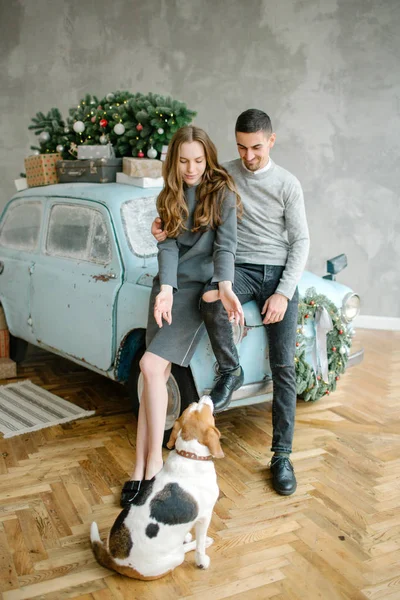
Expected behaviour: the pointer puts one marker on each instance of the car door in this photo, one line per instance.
(75, 283)
(19, 248)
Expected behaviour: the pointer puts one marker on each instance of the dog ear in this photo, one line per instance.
(174, 434)
(212, 442)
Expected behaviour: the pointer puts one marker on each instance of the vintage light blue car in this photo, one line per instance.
(76, 267)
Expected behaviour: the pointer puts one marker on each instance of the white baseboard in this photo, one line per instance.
(373, 322)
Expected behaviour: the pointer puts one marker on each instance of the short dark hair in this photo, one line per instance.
(253, 120)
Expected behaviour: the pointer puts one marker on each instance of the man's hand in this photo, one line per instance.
(231, 302)
(163, 305)
(274, 309)
(157, 230)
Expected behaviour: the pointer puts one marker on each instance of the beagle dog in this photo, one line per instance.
(150, 537)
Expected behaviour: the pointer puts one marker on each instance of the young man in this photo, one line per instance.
(272, 250)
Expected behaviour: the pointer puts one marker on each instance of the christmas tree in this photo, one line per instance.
(52, 133)
(149, 122)
(93, 121)
(135, 124)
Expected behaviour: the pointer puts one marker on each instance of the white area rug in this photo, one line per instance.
(26, 407)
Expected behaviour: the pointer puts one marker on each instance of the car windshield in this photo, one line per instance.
(137, 216)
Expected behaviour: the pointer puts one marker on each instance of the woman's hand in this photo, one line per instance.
(157, 230)
(231, 302)
(163, 305)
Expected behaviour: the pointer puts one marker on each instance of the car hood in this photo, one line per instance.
(334, 290)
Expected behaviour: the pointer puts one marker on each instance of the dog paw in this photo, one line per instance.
(188, 538)
(202, 561)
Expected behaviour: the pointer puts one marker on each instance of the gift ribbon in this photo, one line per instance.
(323, 324)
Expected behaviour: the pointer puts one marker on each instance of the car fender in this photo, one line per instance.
(128, 348)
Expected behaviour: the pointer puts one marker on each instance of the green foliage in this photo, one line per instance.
(86, 110)
(53, 124)
(158, 119)
(91, 112)
(310, 385)
(153, 113)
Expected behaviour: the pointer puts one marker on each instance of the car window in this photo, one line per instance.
(101, 248)
(21, 226)
(78, 232)
(137, 217)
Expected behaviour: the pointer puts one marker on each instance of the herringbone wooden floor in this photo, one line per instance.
(337, 537)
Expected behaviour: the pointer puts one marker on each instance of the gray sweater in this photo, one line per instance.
(273, 229)
(194, 258)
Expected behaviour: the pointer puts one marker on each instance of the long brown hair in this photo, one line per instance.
(215, 181)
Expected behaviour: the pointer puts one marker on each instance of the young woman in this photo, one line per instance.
(198, 207)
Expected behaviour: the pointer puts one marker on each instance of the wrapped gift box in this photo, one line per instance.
(41, 169)
(143, 182)
(21, 183)
(8, 368)
(142, 167)
(4, 343)
(99, 151)
(100, 170)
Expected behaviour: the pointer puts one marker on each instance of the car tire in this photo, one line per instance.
(181, 392)
(18, 349)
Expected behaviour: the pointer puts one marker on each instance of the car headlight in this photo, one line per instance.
(350, 306)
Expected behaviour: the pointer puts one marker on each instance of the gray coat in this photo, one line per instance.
(187, 263)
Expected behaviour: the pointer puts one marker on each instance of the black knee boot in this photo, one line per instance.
(220, 332)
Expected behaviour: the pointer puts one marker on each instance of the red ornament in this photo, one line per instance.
(327, 393)
(312, 302)
(333, 348)
(319, 377)
(340, 331)
(103, 122)
(139, 127)
(297, 344)
(337, 377)
(93, 119)
(306, 316)
(140, 154)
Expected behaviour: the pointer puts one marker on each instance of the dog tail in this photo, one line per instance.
(99, 550)
(94, 533)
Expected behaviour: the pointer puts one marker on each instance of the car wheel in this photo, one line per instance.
(181, 392)
(18, 349)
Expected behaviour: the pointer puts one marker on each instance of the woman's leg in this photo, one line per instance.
(151, 424)
(155, 371)
(142, 436)
(220, 332)
(141, 442)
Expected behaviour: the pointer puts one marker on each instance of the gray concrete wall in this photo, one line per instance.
(327, 72)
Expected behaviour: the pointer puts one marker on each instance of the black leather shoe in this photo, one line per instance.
(221, 394)
(283, 477)
(129, 492)
(136, 492)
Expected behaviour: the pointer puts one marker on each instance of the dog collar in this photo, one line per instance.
(192, 455)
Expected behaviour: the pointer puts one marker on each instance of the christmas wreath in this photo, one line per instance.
(328, 346)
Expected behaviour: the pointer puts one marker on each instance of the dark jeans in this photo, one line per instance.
(258, 282)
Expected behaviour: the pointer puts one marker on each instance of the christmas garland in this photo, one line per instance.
(309, 382)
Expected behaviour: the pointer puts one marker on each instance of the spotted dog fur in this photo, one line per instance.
(151, 537)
